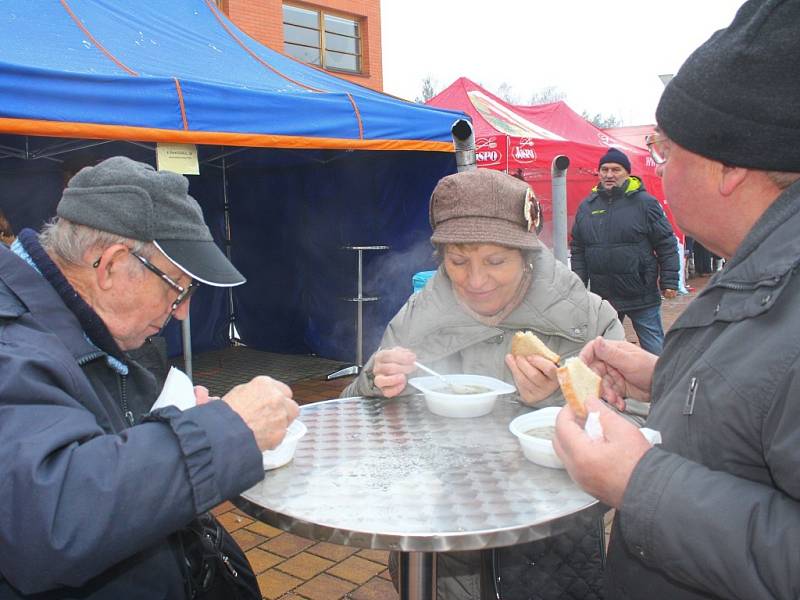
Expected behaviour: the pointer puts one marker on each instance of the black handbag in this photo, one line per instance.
(216, 567)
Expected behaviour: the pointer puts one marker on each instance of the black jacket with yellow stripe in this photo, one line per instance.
(623, 247)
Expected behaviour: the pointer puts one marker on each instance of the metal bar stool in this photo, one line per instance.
(359, 300)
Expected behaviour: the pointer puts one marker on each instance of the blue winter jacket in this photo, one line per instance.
(88, 501)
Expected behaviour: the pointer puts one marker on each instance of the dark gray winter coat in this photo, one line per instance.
(714, 512)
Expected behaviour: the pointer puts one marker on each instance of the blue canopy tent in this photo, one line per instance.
(295, 163)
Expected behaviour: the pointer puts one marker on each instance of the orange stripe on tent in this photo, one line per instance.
(234, 37)
(358, 116)
(95, 42)
(70, 129)
(180, 102)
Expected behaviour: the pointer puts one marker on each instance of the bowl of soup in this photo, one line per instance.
(466, 396)
(535, 431)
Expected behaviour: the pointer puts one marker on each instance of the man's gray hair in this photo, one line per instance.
(782, 179)
(70, 241)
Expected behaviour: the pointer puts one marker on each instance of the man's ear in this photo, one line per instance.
(731, 178)
(109, 265)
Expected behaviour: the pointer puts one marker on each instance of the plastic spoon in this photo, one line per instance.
(457, 389)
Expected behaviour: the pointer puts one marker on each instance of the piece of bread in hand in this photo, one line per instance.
(525, 343)
(578, 383)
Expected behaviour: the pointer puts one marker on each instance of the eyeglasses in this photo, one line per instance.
(658, 147)
(184, 293)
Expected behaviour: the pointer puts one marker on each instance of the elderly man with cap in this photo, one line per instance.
(624, 249)
(714, 511)
(95, 486)
(495, 280)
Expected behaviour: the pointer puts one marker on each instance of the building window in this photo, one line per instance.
(329, 41)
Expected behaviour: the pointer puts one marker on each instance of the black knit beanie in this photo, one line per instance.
(615, 156)
(736, 99)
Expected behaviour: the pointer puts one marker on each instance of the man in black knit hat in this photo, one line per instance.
(714, 510)
(624, 249)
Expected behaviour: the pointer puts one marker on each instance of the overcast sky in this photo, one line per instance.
(605, 56)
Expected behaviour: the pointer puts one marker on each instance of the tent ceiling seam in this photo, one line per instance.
(358, 116)
(181, 104)
(97, 44)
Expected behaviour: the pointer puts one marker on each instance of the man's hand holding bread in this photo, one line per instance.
(626, 369)
(603, 467)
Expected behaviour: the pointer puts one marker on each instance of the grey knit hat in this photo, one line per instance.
(736, 99)
(483, 206)
(133, 200)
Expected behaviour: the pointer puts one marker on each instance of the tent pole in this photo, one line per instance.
(232, 333)
(186, 337)
(559, 196)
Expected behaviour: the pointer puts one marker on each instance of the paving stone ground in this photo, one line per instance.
(290, 567)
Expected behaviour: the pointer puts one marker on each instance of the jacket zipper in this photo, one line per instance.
(87, 358)
(744, 287)
(688, 407)
(123, 385)
(124, 401)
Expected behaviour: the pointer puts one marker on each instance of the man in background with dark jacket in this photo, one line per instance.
(624, 249)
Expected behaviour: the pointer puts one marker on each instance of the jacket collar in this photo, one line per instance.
(778, 223)
(630, 186)
(40, 300)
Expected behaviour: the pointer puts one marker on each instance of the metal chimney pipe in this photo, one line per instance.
(464, 143)
(559, 175)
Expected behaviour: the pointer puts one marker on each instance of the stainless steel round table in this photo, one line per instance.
(389, 474)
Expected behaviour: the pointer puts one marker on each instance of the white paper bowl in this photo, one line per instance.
(284, 452)
(461, 405)
(540, 450)
(536, 449)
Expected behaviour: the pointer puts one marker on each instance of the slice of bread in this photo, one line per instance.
(578, 383)
(527, 344)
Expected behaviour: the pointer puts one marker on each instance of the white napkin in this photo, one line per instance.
(652, 436)
(594, 429)
(178, 391)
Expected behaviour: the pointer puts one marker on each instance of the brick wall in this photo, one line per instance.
(263, 21)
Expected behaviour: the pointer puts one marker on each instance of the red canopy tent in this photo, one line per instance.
(524, 140)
